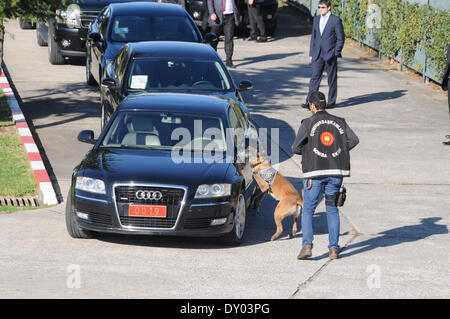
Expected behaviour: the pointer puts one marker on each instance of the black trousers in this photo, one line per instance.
(318, 67)
(227, 26)
(256, 21)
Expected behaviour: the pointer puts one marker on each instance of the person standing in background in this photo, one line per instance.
(256, 21)
(445, 86)
(224, 15)
(327, 41)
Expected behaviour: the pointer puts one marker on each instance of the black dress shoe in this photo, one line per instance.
(230, 64)
(261, 39)
(446, 143)
(305, 105)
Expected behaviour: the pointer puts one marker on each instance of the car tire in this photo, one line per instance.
(236, 236)
(26, 24)
(40, 41)
(74, 230)
(53, 56)
(89, 78)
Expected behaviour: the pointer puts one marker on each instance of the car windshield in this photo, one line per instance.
(148, 28)
(166, 131)
(177, 74)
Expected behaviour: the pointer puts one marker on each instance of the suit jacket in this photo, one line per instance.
(331, 42)
(447, 71)
(215, 6)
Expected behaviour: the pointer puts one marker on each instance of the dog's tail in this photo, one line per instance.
(300, 199)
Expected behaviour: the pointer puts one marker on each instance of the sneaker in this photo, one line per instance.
(333, 253)
(306, 252)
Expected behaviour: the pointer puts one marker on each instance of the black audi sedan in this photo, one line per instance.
(166, 67)
(120, 23)
(166, 164)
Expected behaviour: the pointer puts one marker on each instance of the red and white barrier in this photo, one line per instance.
(47, 195)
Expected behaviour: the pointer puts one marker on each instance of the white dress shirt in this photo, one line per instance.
(323, 21)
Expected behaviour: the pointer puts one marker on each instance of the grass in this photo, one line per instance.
(16, 175)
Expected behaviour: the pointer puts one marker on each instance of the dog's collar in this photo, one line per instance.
(268, 174)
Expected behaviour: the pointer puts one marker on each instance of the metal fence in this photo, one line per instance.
(420, 58)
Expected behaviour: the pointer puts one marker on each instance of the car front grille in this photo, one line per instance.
(100, 219)
(172, 198)
(148, 222)
(195, 223)
(87, 17)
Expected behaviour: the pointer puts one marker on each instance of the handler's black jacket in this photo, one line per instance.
(325, 141)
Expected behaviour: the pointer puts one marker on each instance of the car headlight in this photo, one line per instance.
(214, 190)
(92, 185)
(70, 17)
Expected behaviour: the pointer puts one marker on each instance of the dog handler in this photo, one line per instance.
(324, 141)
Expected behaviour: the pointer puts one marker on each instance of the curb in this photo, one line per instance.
(47, 195)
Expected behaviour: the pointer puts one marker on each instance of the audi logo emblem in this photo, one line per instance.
(155, 195)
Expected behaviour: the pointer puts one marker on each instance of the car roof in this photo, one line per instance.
(137, 8)
(172, 49)
(177, 102)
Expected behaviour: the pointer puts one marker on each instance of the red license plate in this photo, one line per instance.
(147, 211)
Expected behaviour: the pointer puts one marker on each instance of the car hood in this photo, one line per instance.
(150, 166)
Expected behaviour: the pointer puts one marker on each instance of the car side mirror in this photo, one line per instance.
(87, 136)
(209, 37)
(245, 85)
(111, 83)
(95, 36)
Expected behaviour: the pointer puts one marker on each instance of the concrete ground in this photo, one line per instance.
(394, 225)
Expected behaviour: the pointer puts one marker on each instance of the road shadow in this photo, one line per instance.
(372, 97)
(396, 236)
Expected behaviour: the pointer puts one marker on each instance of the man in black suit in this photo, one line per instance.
(445, 85)
(224, 15)
(327, 41)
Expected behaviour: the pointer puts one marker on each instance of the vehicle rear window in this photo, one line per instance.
(177, 74)
(145, 28)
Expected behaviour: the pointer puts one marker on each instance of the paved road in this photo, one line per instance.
(394, 225)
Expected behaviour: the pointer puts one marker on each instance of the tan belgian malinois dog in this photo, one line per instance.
(290, 201)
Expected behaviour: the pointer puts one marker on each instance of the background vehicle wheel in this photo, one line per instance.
(235, 237)
(41, 42)
(74, 230)
(53, 56)
(89, 78)
(26, 24)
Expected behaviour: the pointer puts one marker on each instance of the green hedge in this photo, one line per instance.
(405, 29)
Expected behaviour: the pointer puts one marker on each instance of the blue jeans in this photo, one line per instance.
(330, 186)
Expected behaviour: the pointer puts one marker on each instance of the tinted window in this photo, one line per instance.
(177, 74)
(140, 129)
(166, 28)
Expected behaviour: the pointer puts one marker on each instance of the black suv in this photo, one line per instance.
(68, 29)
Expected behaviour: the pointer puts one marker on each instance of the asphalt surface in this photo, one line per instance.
(394, 225)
